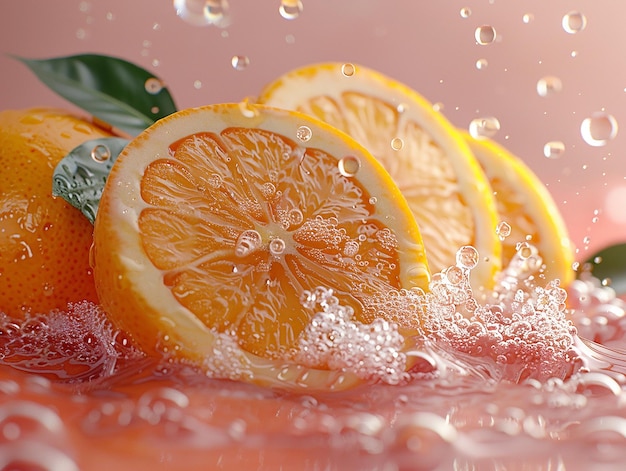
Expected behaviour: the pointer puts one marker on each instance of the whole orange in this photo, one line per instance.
(44, 241)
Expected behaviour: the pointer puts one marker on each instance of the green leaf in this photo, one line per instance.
(610, 264)
(80, 176)
(114, 90)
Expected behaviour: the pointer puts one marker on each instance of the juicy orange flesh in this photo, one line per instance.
(445, 220)
(242, 222)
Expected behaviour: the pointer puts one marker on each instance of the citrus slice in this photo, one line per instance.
(446, 190)
(527, 208)
(216, 221)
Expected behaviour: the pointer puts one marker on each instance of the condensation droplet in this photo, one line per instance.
(290, 9)
(503, 230)
(348, 69)
(240, 62)
(465, 12)
(484, 127)
(574, 22)
(553, 149)
(481, 64)
(153, 85)
(549, 85)
(528, 17)
(467, 257)
(304, 133)
(349, 166)
(598, 129)
(485, 34)
(202, 12)
(248, 242)
(397, 143)
(277, 246)
(197, 84)
(100, 153)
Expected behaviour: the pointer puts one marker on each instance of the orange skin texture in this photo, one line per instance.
(44, 241)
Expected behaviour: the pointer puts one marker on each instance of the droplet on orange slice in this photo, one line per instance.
(216, 221)
(527, 208)
(434, 168)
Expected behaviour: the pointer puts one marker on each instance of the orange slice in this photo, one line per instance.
(217, 220)
(528, 209)
(431, 164)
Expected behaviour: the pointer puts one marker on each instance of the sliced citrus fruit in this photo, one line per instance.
(432, 165)
(217, 220)
(527, 208)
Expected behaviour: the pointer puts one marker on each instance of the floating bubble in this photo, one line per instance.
(349, 166)
(348, 69)
(528, 17)
(465, 12)
(503, 230)
(524, 250)
(598, 129)
(549, 85)
(153, 85)
(100, 153)
(290, 9)
(467, 257)
(397, 143)
(304, 133)
(484, 127)
(202, 12)
(277, 246)
(574, 22)
(248, 241)
(553, 149)
(485, 34)
(240, 62)
(481, 64)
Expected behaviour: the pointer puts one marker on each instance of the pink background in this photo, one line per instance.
(424, 43)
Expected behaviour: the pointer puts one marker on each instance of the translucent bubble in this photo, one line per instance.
(349, 166)
(397, 143)
(481, 64)
(524, 250)
(277, 246)
(574, 22)
(485, 34)
(553, 149)
(202, 12)
(216, 11)
(373, 200)
(153, 85)
(528, 17)
(197, 84)
(484, 127)
(503, 230)
(348, 69)
(290, 9)
(465, 12)
(549, 85)
(304, 133)
(248, 242)
(240, 62)
(351, 248)
(467, 257)
(295, 217)
(598, 129)
(100, 153)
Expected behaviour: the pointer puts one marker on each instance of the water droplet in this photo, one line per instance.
(348, 69)
(373, 200)
(397, 143)
(549, 85)
(197, 84)
(528, 17)
(349, 166)
(553, 149)
(467, 257)
(268, 189)
(290, 9)
(100, 153)
(574, 22)
(484, 127)
(598, 129)
(153, 85)
(503, 230)
(485, 34)
(438, 106)
(277, 246)
(465, 12)
(202, 12)
(402, 107)
(481, 64)
(351, 248)
(304, 133)
(295, 217)
(248, 109)
(240, 62)
(248, 242)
